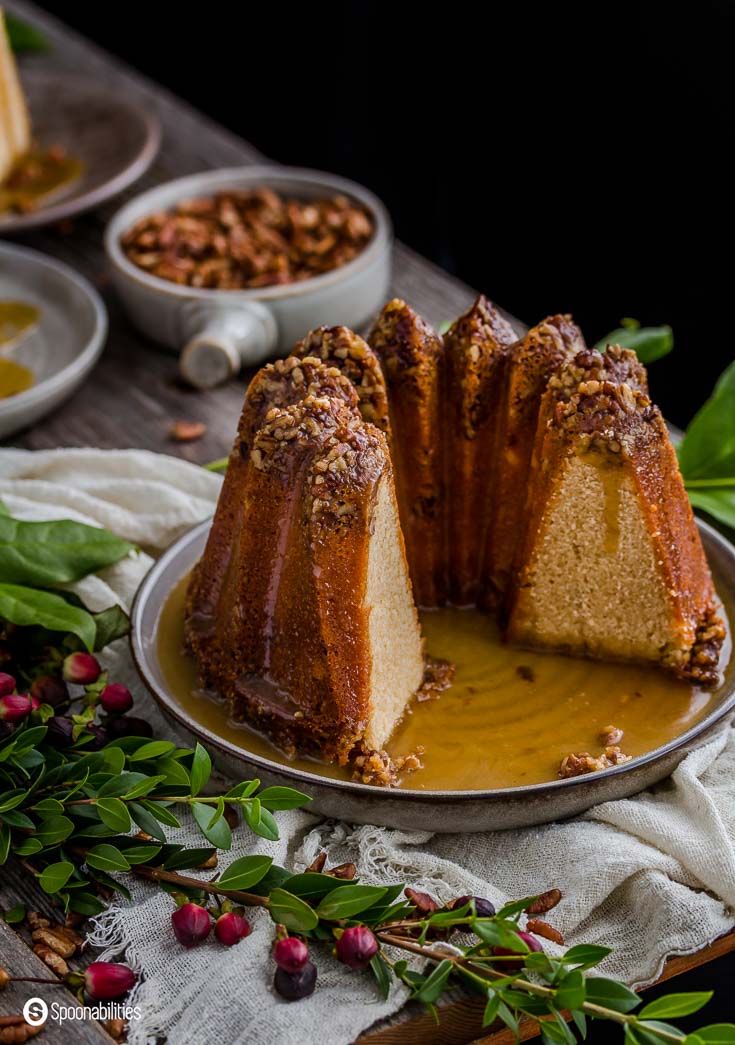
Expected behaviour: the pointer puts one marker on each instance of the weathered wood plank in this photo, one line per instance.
(19, 960)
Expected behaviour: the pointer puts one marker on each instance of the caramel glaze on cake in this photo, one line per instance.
(412, 358)
(476, 349)
(612, 564)
(300, 611)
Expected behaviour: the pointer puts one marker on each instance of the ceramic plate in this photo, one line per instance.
(115, 140)
(65, 343)
(421, 809)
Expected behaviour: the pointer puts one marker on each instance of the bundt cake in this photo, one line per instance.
(300, 611)
(532, 476)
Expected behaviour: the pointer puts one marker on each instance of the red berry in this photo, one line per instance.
(7, 683)
(116, 699)
(191, 923)
(291, 954)
(107, 980)
(530, 941)
(14, 707)
(128, 726)
(356, 947)
(81, 668)
(51, 691)
(295, 985)
(230, 928)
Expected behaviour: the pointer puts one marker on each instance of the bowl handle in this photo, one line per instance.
(219, 339)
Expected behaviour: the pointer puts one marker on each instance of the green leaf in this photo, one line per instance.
(282, 798)
(433, 986)
(146, 821)
(54, 830)
(291, 911)
(244, 789)
(161, 812)
(27, 607)
(491, 1009)
(107, 858)
(87, 904)
(11, 799)
(585, 955)
(144, 787)
(4, 842)
(717, 1034)
(173, 772)
(55, 876)
(153, 749)
(218, 834)
(499, 935)
(15, 915)
(570, 993)
(348, 900)
(243, 873)
(28, 847)
(707, 451)
(672, 1005)
(313, 886)
(24, 37)
(580, 1022)
(48, 805)
(717, 501)
(381, 972)
(649, 343)
(111, 624)
(201, 768)
(141, 854)
(187, 858)
(45, 554)
(114, 813)
(611, 994)
(508, 1018)
(265, 826)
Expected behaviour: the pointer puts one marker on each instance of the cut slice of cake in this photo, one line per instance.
(531, 363)
(307, 624)
(15, 124)
(612, 562)
(475, 348)
(411, 357)
(343, 348)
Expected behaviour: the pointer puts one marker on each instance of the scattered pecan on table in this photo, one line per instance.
(243, 239)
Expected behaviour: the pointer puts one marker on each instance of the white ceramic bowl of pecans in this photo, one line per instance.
(228, 267)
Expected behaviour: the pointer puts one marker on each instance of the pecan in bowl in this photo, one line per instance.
(248, 238)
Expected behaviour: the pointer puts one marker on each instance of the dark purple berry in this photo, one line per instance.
(295, 985)
(100, 734)
(356, 947)
(483, 909)
(530, 941)
(49, 690)
(128, 726)
(5, 730)
(59, 732)
(291, 954)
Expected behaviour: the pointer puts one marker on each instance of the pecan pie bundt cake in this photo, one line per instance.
(532, 476)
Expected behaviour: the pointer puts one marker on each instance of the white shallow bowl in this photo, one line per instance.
(217, 331)
(67, 341)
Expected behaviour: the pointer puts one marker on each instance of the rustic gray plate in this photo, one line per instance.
(115, 139)
(66, 342)
(414, 809)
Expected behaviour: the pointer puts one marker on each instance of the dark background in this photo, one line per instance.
(556, 158)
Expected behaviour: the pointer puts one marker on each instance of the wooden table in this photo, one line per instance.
(131, 400)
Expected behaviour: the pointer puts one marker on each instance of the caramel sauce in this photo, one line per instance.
(36, 178)
(16, 319)
(509, 718)
(14, 378)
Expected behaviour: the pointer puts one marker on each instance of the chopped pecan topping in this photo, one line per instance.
(578, 765)
(254, 238)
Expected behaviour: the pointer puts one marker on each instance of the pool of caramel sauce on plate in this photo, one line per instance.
(38, 177)
(16, 319)
(509, 718)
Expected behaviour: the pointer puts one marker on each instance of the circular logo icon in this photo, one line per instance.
(35, 1012)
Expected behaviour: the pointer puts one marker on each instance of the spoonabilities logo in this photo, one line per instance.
(35, 1012)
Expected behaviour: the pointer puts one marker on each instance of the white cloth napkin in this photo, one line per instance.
(650, 876)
